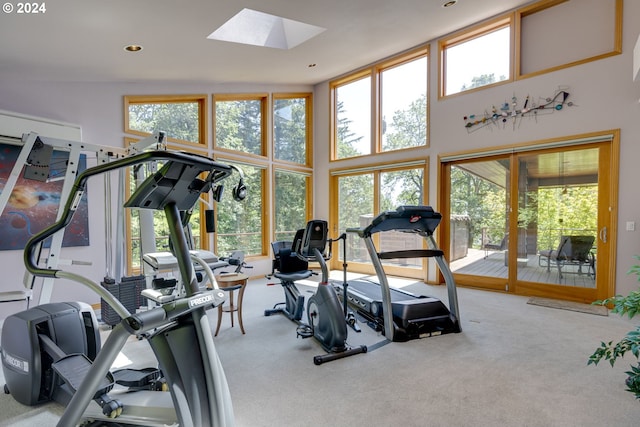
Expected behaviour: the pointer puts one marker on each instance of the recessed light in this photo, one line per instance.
(133, 48)
(450, 3)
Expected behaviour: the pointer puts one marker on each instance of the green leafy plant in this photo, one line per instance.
(623, 305)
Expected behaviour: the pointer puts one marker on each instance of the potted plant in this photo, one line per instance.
(629, 305)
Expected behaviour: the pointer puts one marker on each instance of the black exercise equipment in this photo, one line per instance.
(53, 351)
(325, 315)
(412, 316)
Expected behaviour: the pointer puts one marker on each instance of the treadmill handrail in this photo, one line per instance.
(218, 170)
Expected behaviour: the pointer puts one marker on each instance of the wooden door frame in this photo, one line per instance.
(608, 173)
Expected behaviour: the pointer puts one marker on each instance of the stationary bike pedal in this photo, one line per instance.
(304, 331)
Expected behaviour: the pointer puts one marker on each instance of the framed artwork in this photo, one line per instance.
(33, 204)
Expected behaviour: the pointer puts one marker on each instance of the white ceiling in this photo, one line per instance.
(83, 40)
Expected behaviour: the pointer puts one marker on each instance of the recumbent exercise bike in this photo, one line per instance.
(325, 315)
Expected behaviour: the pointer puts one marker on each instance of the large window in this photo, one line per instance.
(239, 123)
(292, 194)
(292, 128)
(241, 133)
(401, 91)
(241, 225)
(181, 116)
(530, 41)
(360, 195)
(276, 163)
(476, 58)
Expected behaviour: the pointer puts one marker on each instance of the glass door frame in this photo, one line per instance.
(608, 171)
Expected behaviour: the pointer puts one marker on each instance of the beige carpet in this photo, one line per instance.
(569, 305)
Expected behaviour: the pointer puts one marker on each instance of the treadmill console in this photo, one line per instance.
(411, 219)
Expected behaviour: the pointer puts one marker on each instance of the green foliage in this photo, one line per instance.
(410, 127)
(239, 125)
(179, 119)
(239, 224)
(482, 80)
(289, 129)
(290, 207)
(623, 305)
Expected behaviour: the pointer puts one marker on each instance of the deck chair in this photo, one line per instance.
(496, 246)
(572, 250)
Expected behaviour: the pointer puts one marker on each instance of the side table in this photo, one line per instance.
(229, 283)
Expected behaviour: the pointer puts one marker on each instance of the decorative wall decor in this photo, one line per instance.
(512, 113)
(33, 204)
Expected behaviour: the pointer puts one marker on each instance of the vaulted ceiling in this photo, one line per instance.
(84, 40)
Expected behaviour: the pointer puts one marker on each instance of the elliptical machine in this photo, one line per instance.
(52, 352)
(325, 315)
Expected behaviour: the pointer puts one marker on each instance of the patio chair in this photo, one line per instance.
(572, 250)
(496, 246)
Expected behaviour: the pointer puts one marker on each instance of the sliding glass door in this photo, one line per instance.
(533, 222)
(479, 221)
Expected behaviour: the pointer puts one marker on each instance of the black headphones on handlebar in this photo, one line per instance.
(239, 191)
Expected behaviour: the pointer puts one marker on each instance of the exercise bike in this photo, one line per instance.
(53, 352)
(325, 315)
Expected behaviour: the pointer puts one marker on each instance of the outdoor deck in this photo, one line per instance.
(528, 269)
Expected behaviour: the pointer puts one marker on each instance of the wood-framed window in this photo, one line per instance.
(292, 128)
(360, 194)
(381, 108)
(183, 117)
(478, 57)
(527, 42)
(244, 225)
(239, 123)
(292, 199)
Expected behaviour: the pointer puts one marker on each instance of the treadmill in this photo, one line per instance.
(412, 316)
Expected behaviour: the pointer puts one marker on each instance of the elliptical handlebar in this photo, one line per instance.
(217, 172)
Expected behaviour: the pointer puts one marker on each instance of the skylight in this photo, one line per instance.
(261, 29)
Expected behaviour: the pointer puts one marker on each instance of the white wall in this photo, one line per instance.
(605, 97)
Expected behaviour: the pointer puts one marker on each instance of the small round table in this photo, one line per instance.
(229, 283)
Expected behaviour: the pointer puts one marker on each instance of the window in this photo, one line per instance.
(276, 164)
(292, 193)
(363, 194)
(404, 104)
(476, 58)
(360, 128)
(241, 225)
(181, 116)
(239, 123)
(520, 45)
(352, 112)
(292, 128)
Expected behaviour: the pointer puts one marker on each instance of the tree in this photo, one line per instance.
(289, 129)
(179, 120)
(482, 80)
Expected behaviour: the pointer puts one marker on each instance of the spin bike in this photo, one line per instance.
(53, 352)
(325, 315)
